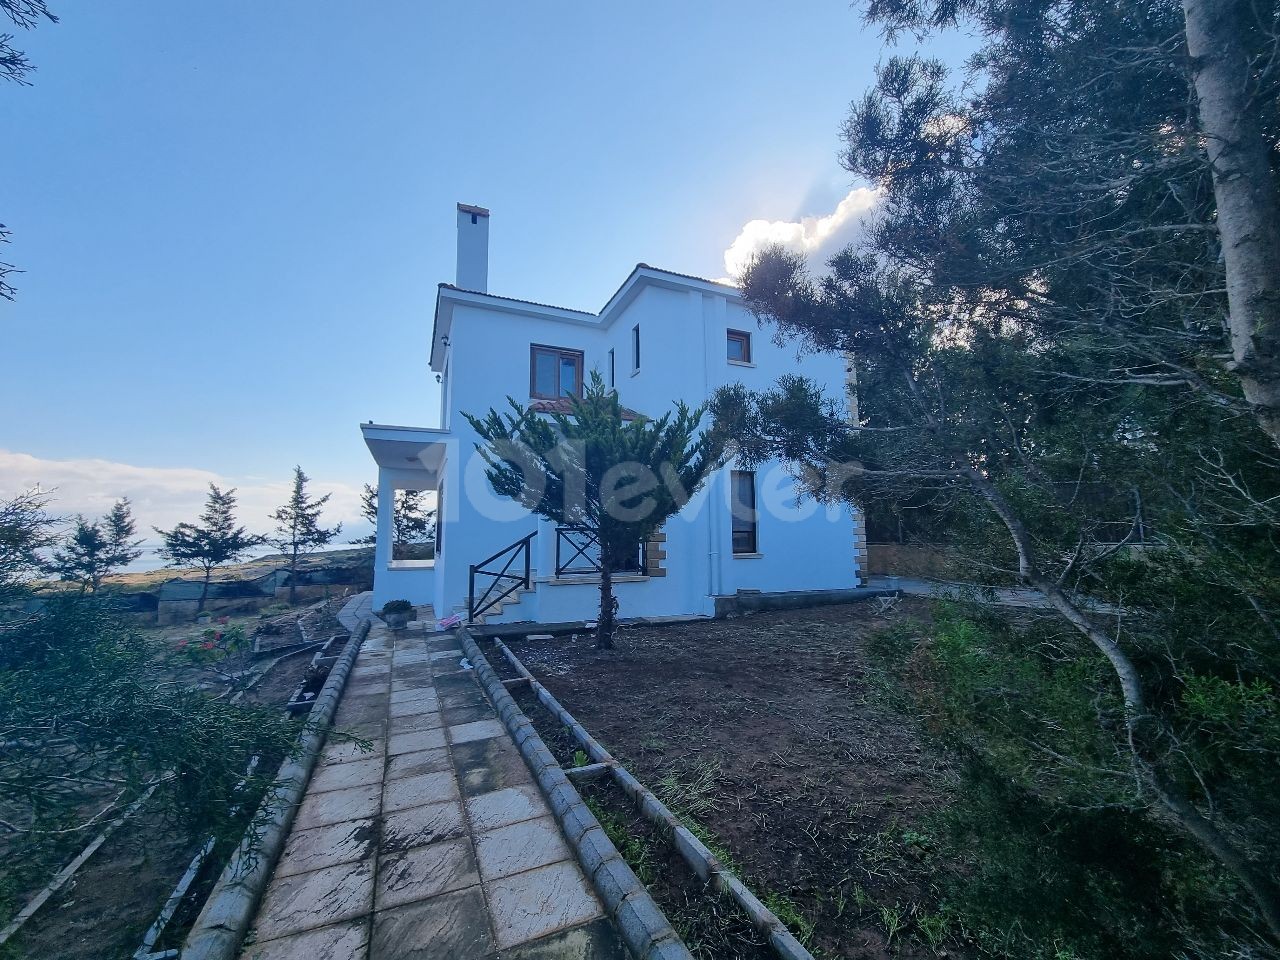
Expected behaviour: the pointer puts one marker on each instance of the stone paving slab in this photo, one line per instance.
(329, 846)
(527, 906)
(430, 840)
(337, 942)
(356, 610)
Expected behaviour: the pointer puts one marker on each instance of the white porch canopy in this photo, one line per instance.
(409, 450)
(408, 458)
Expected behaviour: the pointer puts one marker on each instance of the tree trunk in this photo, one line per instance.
(204, 590)
(1247, 206)
(293, 578)
(604, 623)
(1172, 800)
(1260, 887)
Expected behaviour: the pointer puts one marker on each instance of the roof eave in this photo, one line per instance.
(448, 296)
(644, 275)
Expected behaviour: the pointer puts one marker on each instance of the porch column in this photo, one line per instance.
(386, 528)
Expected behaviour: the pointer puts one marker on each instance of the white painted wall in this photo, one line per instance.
(683, 328)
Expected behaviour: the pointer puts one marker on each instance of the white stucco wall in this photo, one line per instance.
(683, 357)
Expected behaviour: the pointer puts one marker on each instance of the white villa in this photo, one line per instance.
(662, 337)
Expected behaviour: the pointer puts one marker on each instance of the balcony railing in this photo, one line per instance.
(578, 553)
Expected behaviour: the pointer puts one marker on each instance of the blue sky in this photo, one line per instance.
(232, 216)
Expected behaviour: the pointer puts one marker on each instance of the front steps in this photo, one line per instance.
(493, 612)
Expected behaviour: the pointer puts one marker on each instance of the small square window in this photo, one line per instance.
(738, 344)
(554, 372)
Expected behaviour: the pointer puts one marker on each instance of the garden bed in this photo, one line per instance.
(774, 735)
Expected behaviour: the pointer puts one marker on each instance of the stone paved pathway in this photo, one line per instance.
(436, 843)
(359, 607)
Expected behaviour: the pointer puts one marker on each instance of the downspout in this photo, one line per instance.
(714, 582)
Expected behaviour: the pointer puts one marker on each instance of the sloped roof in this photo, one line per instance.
(498, 296)
(642, 275)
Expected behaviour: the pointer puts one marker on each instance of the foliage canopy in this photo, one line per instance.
(1047, 358)
(619, 475)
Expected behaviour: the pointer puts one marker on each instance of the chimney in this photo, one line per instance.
(473, 248)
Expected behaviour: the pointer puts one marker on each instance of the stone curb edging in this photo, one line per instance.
(694, 852)
(644, 928)
(224, 920)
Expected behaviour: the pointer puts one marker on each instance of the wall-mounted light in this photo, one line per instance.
(439, 379)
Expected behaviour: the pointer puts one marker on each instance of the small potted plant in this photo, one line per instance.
(397, 613)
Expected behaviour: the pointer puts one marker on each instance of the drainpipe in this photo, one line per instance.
(715, 533)
(705, 306)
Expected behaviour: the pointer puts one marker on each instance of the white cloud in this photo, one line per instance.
(812, 236)
(164, 496)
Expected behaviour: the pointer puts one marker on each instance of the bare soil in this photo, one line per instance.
(103, 912)
(778, 735)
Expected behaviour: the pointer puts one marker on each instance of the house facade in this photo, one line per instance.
(662, 337)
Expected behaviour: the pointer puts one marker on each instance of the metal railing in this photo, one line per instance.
(578, 553)
(502, 582)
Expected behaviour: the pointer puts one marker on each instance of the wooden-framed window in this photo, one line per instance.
(743, 507)
(613, 370)
(554, 372)
(738, 346)
(635, 349)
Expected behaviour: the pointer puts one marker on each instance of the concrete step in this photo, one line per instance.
(505, 602)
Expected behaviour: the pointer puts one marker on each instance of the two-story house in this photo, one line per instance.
(662, 337)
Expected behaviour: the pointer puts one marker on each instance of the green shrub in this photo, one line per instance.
(81, 700)
(1048, 849)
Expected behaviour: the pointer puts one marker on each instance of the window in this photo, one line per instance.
(635, 349)
(554, 373)
(613, 371)
(743, 505)
(739, 346)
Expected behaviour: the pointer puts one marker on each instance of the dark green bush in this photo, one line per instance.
(88, 718)
(1049, 849)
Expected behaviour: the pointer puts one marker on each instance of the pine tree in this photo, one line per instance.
(26, 531)
(96, 548)
(1051, 351)
(298, 531)
(213, 541)
(411, 521)
(621, 478)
